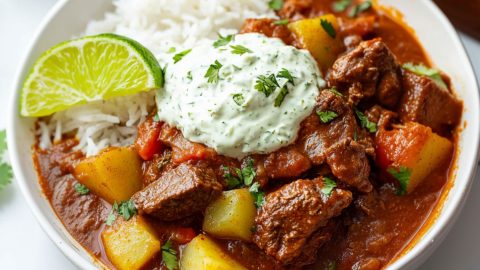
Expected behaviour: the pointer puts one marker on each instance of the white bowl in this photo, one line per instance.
(69, 18)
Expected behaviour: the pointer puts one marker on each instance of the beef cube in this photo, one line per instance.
(427, 103)
(293, 214)
(287, 162)
(265, 26)
(369, 70)
(180, 192)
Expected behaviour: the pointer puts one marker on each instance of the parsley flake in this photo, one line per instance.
(266, 84)
(223, 40)
(239, 49)
(275, 4)
(281, 96)
(422, 70)
(81, 189)
(281, 22)
(328, 186)
(258, 195)
(362, 7)
(179, 56)
(212, 72)
(238, 99)
(284, 73)
(403, 176)
(328, 27)
(365, 123)
(327, 116)
(341, 5)
(169, 256)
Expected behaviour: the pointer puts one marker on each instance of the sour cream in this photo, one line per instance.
(229, 114)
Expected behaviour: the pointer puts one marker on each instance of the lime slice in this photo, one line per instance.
(88, 69)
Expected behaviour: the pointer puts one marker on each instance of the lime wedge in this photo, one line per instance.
(88, 69)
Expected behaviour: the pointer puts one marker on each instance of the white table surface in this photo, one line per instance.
(23, 244)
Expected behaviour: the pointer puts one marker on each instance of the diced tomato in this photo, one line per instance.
(147, 143)
(381, 151)
(182, 235)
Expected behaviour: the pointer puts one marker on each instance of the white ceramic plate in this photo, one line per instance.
(69, 18)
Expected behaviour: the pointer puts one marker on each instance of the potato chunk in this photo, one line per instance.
(410, 153)
(115, 174)
(130, 244)
(319, 41)
(231, 215)
(203, 254)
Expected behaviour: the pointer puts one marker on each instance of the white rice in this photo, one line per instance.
(159, 25)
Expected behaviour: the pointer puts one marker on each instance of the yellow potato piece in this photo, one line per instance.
(203, 254)
(313, 37)
(115, 174)
(130, 244)
(231, 215)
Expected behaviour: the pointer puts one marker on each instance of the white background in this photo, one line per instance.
(23, 244)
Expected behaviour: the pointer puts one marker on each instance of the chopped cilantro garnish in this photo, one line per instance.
(365, 123)
(403, 176)
(328, 27)
(248, 172)
(275, 4)
(223, 40)
(341, 5)
(6, 173)
(335, 91)
(281, 96)
(327, 116)
(245, 175)
(328, 186)
(281, 22)
(172, 50)
(284, 73)
(238, 99)
(212, 72)
(266, 84)
(169, 256)
(364, 6)
(81, 189)
(232, 181)
(156, 118)
(127, 209)
(422, 70)
(179, 56)
(112, 216)
(189, 75)
(239, 49)
(258, 195)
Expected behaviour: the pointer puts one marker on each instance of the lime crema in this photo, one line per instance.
(244, 97)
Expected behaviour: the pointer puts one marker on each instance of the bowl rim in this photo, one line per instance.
(439, 228)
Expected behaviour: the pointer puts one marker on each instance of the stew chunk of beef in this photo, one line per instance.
(293, 214)
(179, 192)
(427, 103)
(369, 70)
(268, 28)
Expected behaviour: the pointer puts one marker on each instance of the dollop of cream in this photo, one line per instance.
(230, 115)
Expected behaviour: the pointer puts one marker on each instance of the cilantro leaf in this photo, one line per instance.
(275, 4)
(248, 172)
(422, 70)
(281, 96)
(169, 256)
(328, 187)
(335, 91)
(127, 209)
(281, 22)
(179, 56)
(238, 99)
(284, 73)
(365, 123)
(172, 50)
(111, 216)
(328, 27)
(232, 181)
(362, 7)
(223, 40)
(403, 176)
(239, 49)
(81, 189)
(327, 116)
(266, 84)
(6, 173)
(3, 141)
(212, 72)
(341, 5)
(258, 195)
